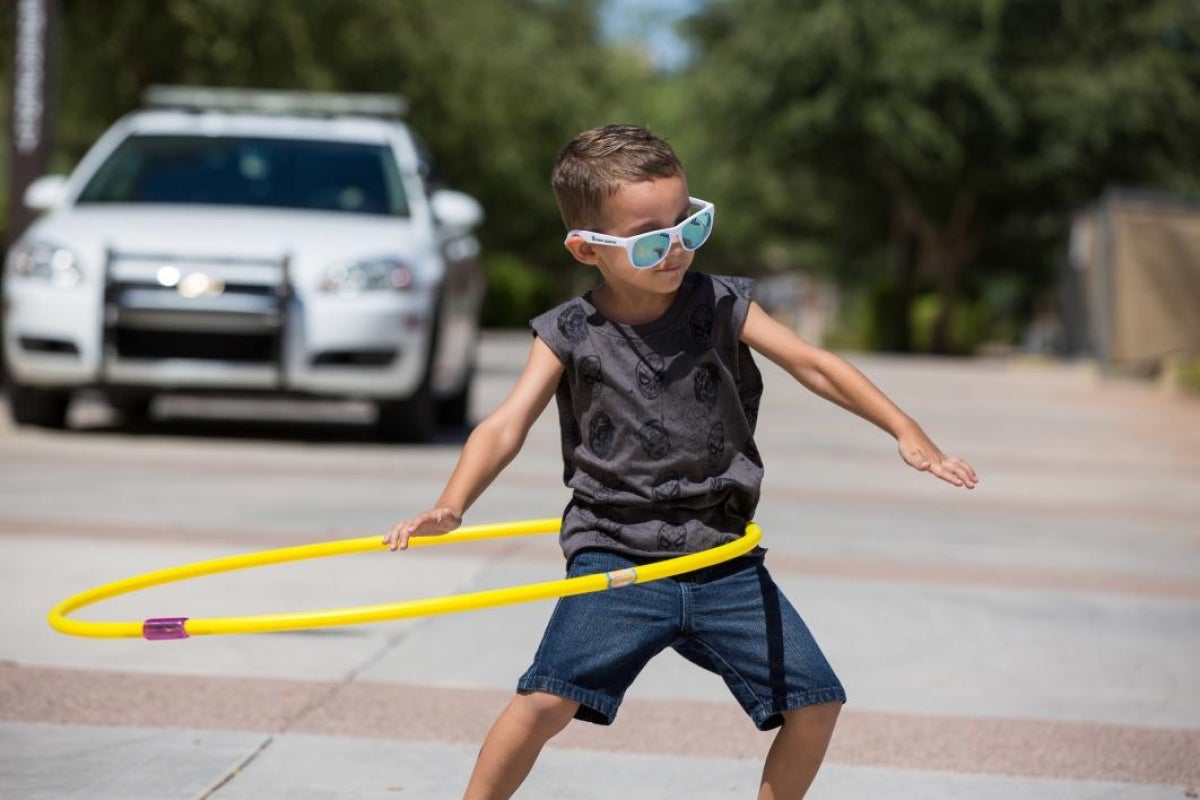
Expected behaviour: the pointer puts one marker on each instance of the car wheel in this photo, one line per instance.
(133, 409)
(452, 410)
(42, 408)
(409, 420)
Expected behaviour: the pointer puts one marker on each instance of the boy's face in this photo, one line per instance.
(637, 208)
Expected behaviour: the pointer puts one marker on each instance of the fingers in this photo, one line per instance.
(397, 538)
(955, 471)
(926, 457)
(429, 523)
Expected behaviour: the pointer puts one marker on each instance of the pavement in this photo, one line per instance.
(1036, 638)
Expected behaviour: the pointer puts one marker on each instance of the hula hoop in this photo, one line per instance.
(160, 628)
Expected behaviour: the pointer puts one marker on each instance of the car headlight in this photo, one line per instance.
(367, 275)
(47, 262)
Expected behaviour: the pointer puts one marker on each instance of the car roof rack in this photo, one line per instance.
(275, 101)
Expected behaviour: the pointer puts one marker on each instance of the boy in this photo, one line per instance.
(657, 396)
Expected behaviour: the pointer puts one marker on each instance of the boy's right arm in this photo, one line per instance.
(490, 447)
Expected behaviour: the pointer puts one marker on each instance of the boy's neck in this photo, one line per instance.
(630, 307)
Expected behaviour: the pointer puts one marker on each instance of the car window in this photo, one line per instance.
(244, 171)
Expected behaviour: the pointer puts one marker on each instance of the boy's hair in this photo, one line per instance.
(593, 165)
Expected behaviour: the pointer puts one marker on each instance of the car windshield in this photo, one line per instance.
(244, 171)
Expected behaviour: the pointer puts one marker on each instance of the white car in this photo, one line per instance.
(210, 247)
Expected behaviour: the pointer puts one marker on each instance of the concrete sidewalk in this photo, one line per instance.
(1037, 638)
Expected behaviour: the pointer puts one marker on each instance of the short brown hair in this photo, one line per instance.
(593, 165)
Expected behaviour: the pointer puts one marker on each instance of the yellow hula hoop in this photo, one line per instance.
(159, 628)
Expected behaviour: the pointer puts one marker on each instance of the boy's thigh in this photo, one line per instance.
(743, 628)
(602, 640)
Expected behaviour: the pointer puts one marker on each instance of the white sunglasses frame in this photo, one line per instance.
(673, 233)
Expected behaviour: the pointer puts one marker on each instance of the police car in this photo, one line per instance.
(238, 241)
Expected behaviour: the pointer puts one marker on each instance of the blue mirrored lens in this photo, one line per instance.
(650, 249)
(696, 231)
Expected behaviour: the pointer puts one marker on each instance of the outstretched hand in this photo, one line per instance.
(919, 452)
(434, 522)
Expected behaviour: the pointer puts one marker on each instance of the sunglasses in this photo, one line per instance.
(650, 249)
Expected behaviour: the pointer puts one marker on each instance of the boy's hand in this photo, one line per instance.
(434, 522)
(921, 453)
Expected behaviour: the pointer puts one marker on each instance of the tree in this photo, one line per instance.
(925, 133)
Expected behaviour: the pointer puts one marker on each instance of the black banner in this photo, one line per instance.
(32, 116)
(34, 93)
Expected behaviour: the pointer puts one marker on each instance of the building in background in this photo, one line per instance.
(1131, 288)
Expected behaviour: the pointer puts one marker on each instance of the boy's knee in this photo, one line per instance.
(547, 712)
(820, 716)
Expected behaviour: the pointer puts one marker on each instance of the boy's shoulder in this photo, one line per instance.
(569, 319)
(567, 324)
(738, 285)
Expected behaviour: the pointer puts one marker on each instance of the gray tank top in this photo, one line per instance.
(657, 422)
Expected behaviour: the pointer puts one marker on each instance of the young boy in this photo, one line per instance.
(657, 397)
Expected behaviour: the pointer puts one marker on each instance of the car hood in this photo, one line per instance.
(313, 240)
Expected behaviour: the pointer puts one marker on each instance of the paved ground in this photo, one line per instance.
(1038, 638)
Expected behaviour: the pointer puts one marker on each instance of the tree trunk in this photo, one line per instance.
(942, 250)
(949, 252)
(892, 300)
(942, 341)
(906, 290)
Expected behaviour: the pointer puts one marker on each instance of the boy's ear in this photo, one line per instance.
(583, 251)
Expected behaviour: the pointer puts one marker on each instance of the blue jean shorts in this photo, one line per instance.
(730, 619)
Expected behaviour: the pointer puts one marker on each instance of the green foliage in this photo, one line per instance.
(1189, 375)
(971, 129)
(967, 333)
(516, 292)
(856, 327)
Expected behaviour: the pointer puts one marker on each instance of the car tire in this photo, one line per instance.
(411, 420)
(452, 410)
(41, 408)
(133, 409)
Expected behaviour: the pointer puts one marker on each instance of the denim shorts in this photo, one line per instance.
(730, 619)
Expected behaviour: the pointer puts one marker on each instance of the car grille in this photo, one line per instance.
(163, 307)
(238, 348)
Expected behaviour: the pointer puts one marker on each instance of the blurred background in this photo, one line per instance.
(1011, 186)
(919, 176)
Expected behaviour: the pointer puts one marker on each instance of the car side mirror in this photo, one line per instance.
(45, 193)
(455, 210)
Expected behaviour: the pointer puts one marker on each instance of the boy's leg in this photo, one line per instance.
(593, 647)
(745, 629)
(797, 752)
(514, 742)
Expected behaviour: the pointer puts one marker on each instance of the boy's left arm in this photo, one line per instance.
(835, 379)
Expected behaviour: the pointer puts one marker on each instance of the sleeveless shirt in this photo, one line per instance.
(657, 422)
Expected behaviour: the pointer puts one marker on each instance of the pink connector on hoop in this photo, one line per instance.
(160, 628)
